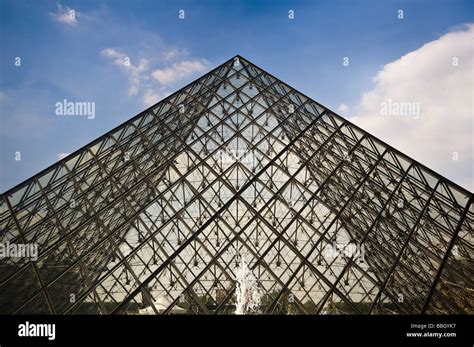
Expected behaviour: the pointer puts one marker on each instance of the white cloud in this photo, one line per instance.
(62, 155)
(65, 15)
(135, 71)
(151, 97)
(135, 76)
(436, 79)
(178, 71)
(153, 85)
(343, 108)
(112, 53)
(173, 53)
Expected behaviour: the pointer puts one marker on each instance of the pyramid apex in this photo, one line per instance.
(240, 57)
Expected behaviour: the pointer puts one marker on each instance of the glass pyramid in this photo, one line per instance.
(155, 216)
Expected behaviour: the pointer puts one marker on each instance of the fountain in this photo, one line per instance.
(247, 291)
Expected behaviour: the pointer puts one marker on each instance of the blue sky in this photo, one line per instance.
(78, 59)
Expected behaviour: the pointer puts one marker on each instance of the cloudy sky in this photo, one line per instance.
(402, 70)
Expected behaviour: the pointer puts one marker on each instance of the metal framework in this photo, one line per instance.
(156, 213)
